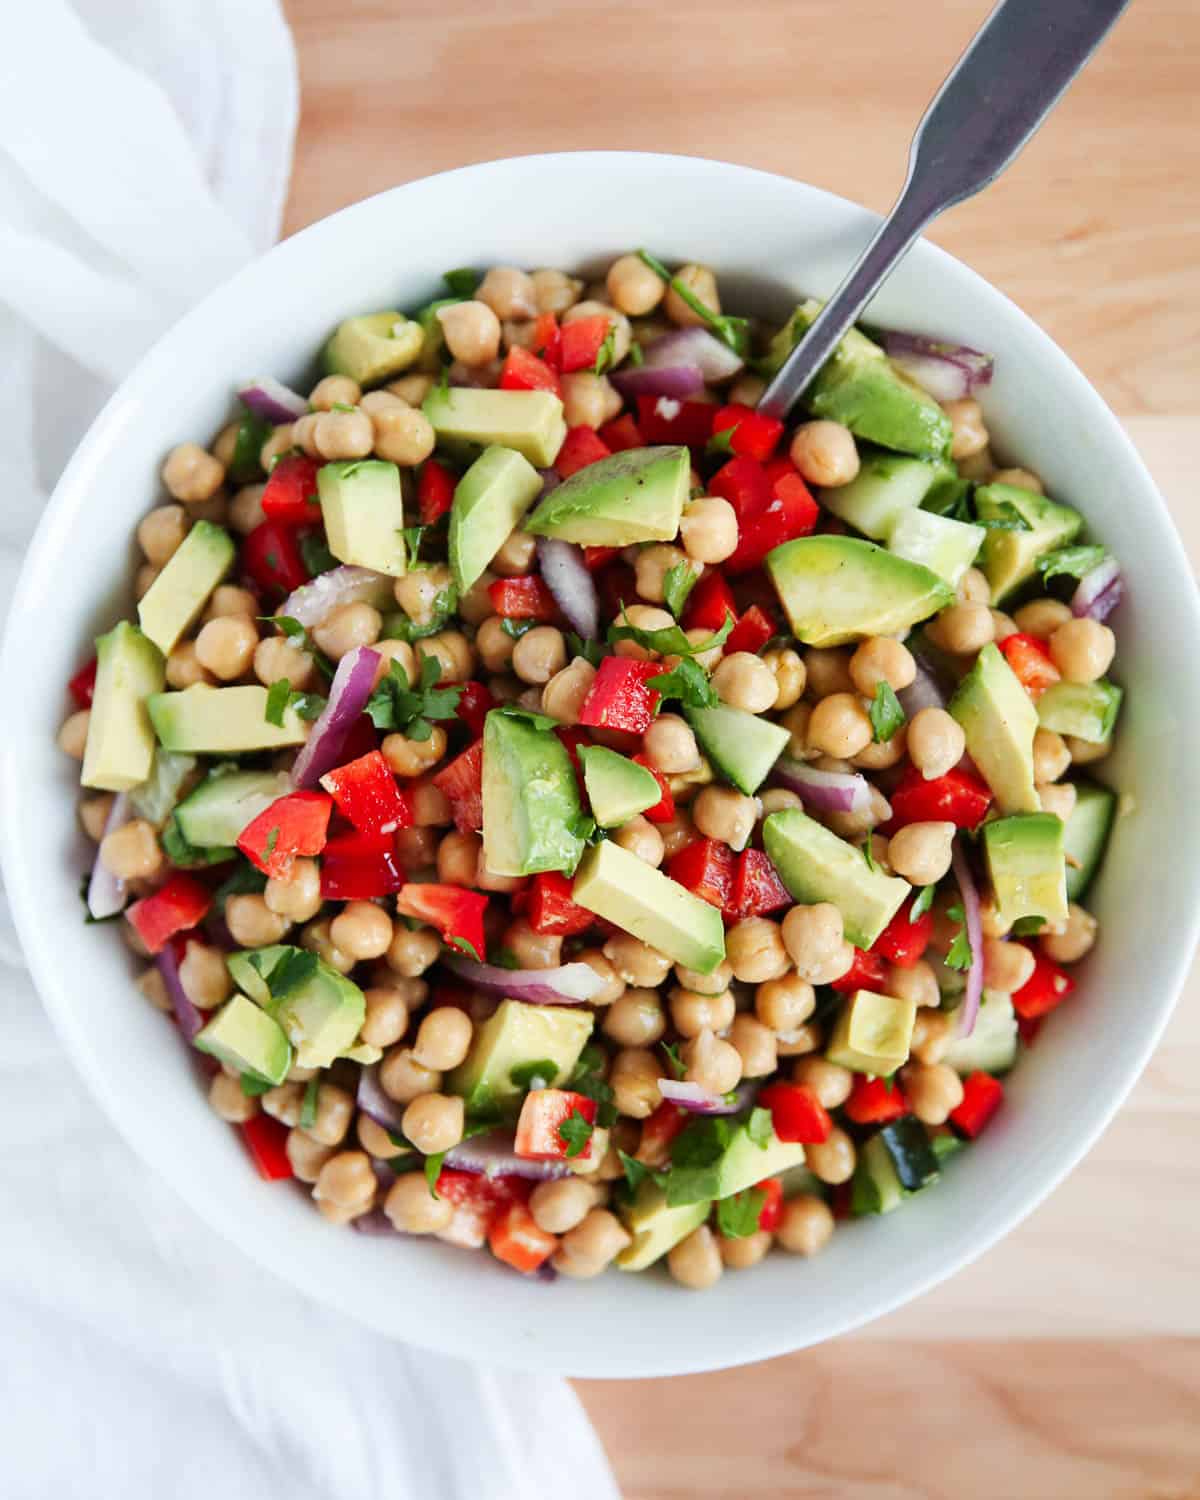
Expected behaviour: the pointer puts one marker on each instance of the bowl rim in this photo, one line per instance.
(20, 867)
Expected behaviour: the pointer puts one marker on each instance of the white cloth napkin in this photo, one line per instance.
(144, 154)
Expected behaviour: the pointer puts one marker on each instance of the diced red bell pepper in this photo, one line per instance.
(360, 866)
(957, 797)
(290, 493)
(664, 809)
(539, 1136)
(982, 1097)
(362, 738)
(662, 420)
(178, 906)
(658, 1131)
(752, 434)
(293, 825)
(82, 686)
(770, 1215)
(478, 1201)
(757, 888)
(271, 557)
(1028, 1030)
(596, 557)
(266, 1141)
(462, 783)
(475, 702)
(456, 913)
(1031, 662)
(903, 941)
(580, 342)
(368, 796)
(570, 739)
(616, 586)
(867, 972)
(752, 631)
(707, 868)
(708, 604)
(796, 1112)
(841, 1201)
(525, 598)
(619, 698)
(622, 433)
(744, 483)
(551, 909)
(1046, 988)
(523, 371)
(515, 1238)
(435, 491)
(547, 340)
(790, 512)
(872, 1101)
(581, 446)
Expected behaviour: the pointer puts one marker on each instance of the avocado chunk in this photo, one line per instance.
(861, 388)
(873, 1033)
(247, 967)
(617, 787)
(212, 816)
(246, 1038)
(531, 808)
(741, 745)
(319, 1009)
(839, 588)
(515, 1036)
(656, 1227)
(633, 496)
(992, 1045)
(886, 487)
(372, 348)
(717, 1157)
(1010, 556)
(363, 512)
(489, 502)
(221, 721)
(1027, 867)
(176, 597)
(944, 546)
(120, 740)
(999, 720)
(641, 900)
(529, 421)
(1086, 710)
(747, 1161)
(816, 866)
(1086, 835)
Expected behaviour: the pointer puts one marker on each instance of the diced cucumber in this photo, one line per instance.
(945, 547)
(225, 802)
(1086, 835)
(907, 1143)
(992, 1045)
(1086, 710)
(887, 485)
(742, 746)
(876, 1187)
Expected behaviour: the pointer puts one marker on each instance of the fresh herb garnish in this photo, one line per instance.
(575, 1132)
(464, 945)
(869, 855)
(272, 841)
(187, 856)
(923, 902)
(537, 1074)
(678, 583)
(412, 544)
(588, 1080)
(733, 331)
(688, 682)
(462, 281)
(277, 700)
(605, 355)
(721, 442)
(515, 711)
(738, 1216)
(1071, 562)
(1006, 518)
(315, 553)
(960, 956)
(505, 958)
(254, 1087)
(952, 499)
(515, 629)
(292, 970)
(635, 355)
(244, 881)
(670, 640)
(885, 713)
(760, 1127)
(398, 626)
(636, 1171)
(675, 1062)
(1027, 926)
(397, 705)
(299, 637)
(308, 1109)
(433, 1170)
(252, 432)
(343, 406)
(703, 1142)
(307, 706)
(593, 652)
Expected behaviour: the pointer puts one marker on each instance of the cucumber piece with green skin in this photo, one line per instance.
(907, 1143)
(992, 1045)
(886, 486)
(1086, 835)
(742, 746)
(944, 546)
(1086, 710)
(876, 1187)
(225, 802)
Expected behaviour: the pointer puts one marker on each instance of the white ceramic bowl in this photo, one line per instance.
(770, 239)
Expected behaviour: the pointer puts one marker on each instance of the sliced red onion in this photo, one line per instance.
(352, 685)
(320, 596)
(572, 984)
(698, 1100)
(190, 1019)
(105, 893)
(375, 1222)
(693, 346)
(492, 1155)
(677, 382)
(568, 579)
(974, 920)
(1100, 591)
(947, 371)
(269, 399)
(374, 1103)
(824, 791)
(551, 479)
(925, 691)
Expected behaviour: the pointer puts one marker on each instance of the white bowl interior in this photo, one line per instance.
(771, 240)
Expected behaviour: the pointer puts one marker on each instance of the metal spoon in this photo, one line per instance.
(998, 93)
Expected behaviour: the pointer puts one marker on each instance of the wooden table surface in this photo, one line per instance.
(1065, 1364)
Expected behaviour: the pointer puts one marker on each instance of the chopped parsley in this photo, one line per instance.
(515, 629)
(678, 583)
(885, 713)
(588, 1080)
(272, 841)
(760, 1127)
(308, 1109)
(244, 881)
(738, 1216)
(433, 1170)
(593, 652)
(277, 700)
(636, 1171)
(412, 544)
(505, 958)
(539, 1074)
(674, 1061)
(1028, 926)
(923, 902)
(733, 331)
(539, 721)
(960, 956)
(635, 355)
(670, 640)
(464, 945)
(869, 855)
(253, 1086)
(398, 626)
(296, 633)
(398, 705)
(575, 1132)
(1006, 518)
(688, 682)
(462, 281)
(187, 856)
(721, 442)
(292, 970)
(1071, 562)
(703, 1142)
(606, 354)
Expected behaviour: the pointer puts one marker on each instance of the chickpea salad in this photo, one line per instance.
(572, 813)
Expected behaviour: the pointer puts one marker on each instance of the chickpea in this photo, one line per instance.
(276, 658)
(316, 938)
(555, 291)
(1076, 939)
(401, 434)
(515, 555)
(443, 1039)
(633, 287)
(652, 565)
(343, 434)
(790, 676)
(880, 757)
(410, 951)
(677, 833)
(191, 474)
(417, 593)
(387, 1015)
(307, 1156)
(204, 977)
(807, 1223)
(784, 1004)
(747, 1251)
(533, 950)
(633, 1078)
(645, 617)
(347, 627)
(880, 659)
(452, 651)
(755, 950)
(509, 293)
(702, 283)
(695, 1262)
(589, 400)
(1082, 650)
(335, 1111)
(374, 1139)
(143, 580)
(592, 1244)
(756, 1046)
(815, 941)
(471, 331)
(226, 646)
(825, 454)
(347, 1179)
(832, 1160)
(840, 725)
(936, 742)
(921, 852)
(1085, 752)
(458, 858)
(917, 983)
(183, 670)
(693, 1011)
(722, 813)
(933, 1031)
(1057, 798)
(230, 1101)
(413, 1209)
(973, 588)
(361, 930)
(671, 746)
(161, 532)
(404, 1079)
(778, 799)
(618, 325)
(827, 671)
(636, 962)
(1042, 617)
(1006, 965)
(434, 1122)
(93, 814)
(1002, 626)
(334, 390)
(711, 1062)
(708, 529)
(245, 509)
(560, 1205)
(540, 654)
(131, 852)
(962, 628)
(486, 881)
(635, 1019)
(745, 681)
(1051, 758)
(296, 895)
(430, 806)
(614, 985)
(494, 644)
(284, 1102)
(969, 435)
(407, 757)
(932, 1090)
(640, 837)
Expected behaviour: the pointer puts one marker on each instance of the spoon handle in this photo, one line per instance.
(1001, 89)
